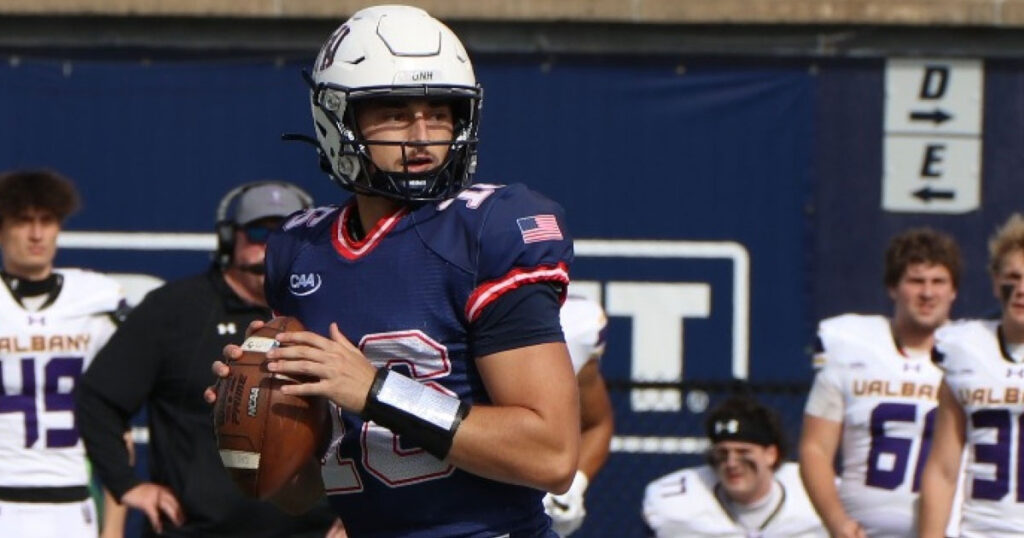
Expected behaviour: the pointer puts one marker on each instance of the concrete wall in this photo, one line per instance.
(985, 13)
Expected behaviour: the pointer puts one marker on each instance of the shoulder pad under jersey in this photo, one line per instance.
(90, 292)
(845, 337)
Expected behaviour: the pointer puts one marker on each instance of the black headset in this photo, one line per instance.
(226, 226)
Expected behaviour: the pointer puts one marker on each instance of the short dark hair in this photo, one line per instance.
(764, 423)
(45, 190)
(921, 245)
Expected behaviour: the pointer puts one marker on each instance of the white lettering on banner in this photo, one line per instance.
(658, 310)
(727, 250)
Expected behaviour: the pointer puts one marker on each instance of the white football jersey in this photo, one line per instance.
(583, 323)
(42, 355)
(990, 388)
(886, 402)
(683, 504)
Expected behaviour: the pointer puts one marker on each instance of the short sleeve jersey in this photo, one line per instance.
(43, 354)
(990, 388)
(407, 295)
(886, 403)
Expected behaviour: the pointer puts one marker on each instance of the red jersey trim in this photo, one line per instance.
(488, 292)
(355, 250)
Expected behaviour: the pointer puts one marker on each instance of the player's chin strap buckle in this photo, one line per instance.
(415, 411)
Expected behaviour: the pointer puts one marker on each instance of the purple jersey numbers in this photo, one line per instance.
(54, 398)
(895, 451)
(998, 454)
(24, 401)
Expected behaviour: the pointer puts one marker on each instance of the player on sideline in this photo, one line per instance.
(981, 406)
(432, 305)
(745, 489)
(52, 323)
(584, 322)
(876, 390)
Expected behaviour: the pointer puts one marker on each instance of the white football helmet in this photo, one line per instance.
(389, 52)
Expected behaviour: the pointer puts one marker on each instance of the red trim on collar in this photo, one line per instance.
(355, 250)
(488, 292)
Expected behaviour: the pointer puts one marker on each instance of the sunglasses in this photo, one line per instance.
(257, 234)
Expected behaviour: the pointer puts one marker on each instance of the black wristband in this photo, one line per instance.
(414, 411)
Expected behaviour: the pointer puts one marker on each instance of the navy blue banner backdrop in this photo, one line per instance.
(720, 206)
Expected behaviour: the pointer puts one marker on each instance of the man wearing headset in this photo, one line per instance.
(161, 359)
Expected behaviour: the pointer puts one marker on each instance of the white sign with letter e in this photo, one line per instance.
(933, 128)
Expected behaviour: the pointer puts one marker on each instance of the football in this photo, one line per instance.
(265, 436)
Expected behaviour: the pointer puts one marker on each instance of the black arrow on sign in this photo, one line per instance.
(937, 116)
(927, 194)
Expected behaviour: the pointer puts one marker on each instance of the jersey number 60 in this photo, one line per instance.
(896, 448)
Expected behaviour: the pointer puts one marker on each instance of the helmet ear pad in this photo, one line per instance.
(336, 143)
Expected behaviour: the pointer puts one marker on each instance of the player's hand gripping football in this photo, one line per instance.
(343, 373)
(221, 369)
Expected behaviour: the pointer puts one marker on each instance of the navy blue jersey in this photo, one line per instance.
(408, 295)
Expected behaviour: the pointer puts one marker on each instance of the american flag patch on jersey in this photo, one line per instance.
(539, 228)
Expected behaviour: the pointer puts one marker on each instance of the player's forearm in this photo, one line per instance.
(820, 482)
(597, 420)
(516, 445)
(595, 444)
(938, 486)
(114, 516)
(936, 502)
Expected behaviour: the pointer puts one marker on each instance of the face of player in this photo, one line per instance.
(744, 469)
(29, 243)
(1009, 288)
(923, 297)
(407, 120)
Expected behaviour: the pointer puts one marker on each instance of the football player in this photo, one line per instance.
(52, 323)
(876, 391)
(981, 406)
(584, 322)
(744, 491)
(432, 304)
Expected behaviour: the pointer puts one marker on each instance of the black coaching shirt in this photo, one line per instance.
(161, 358)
